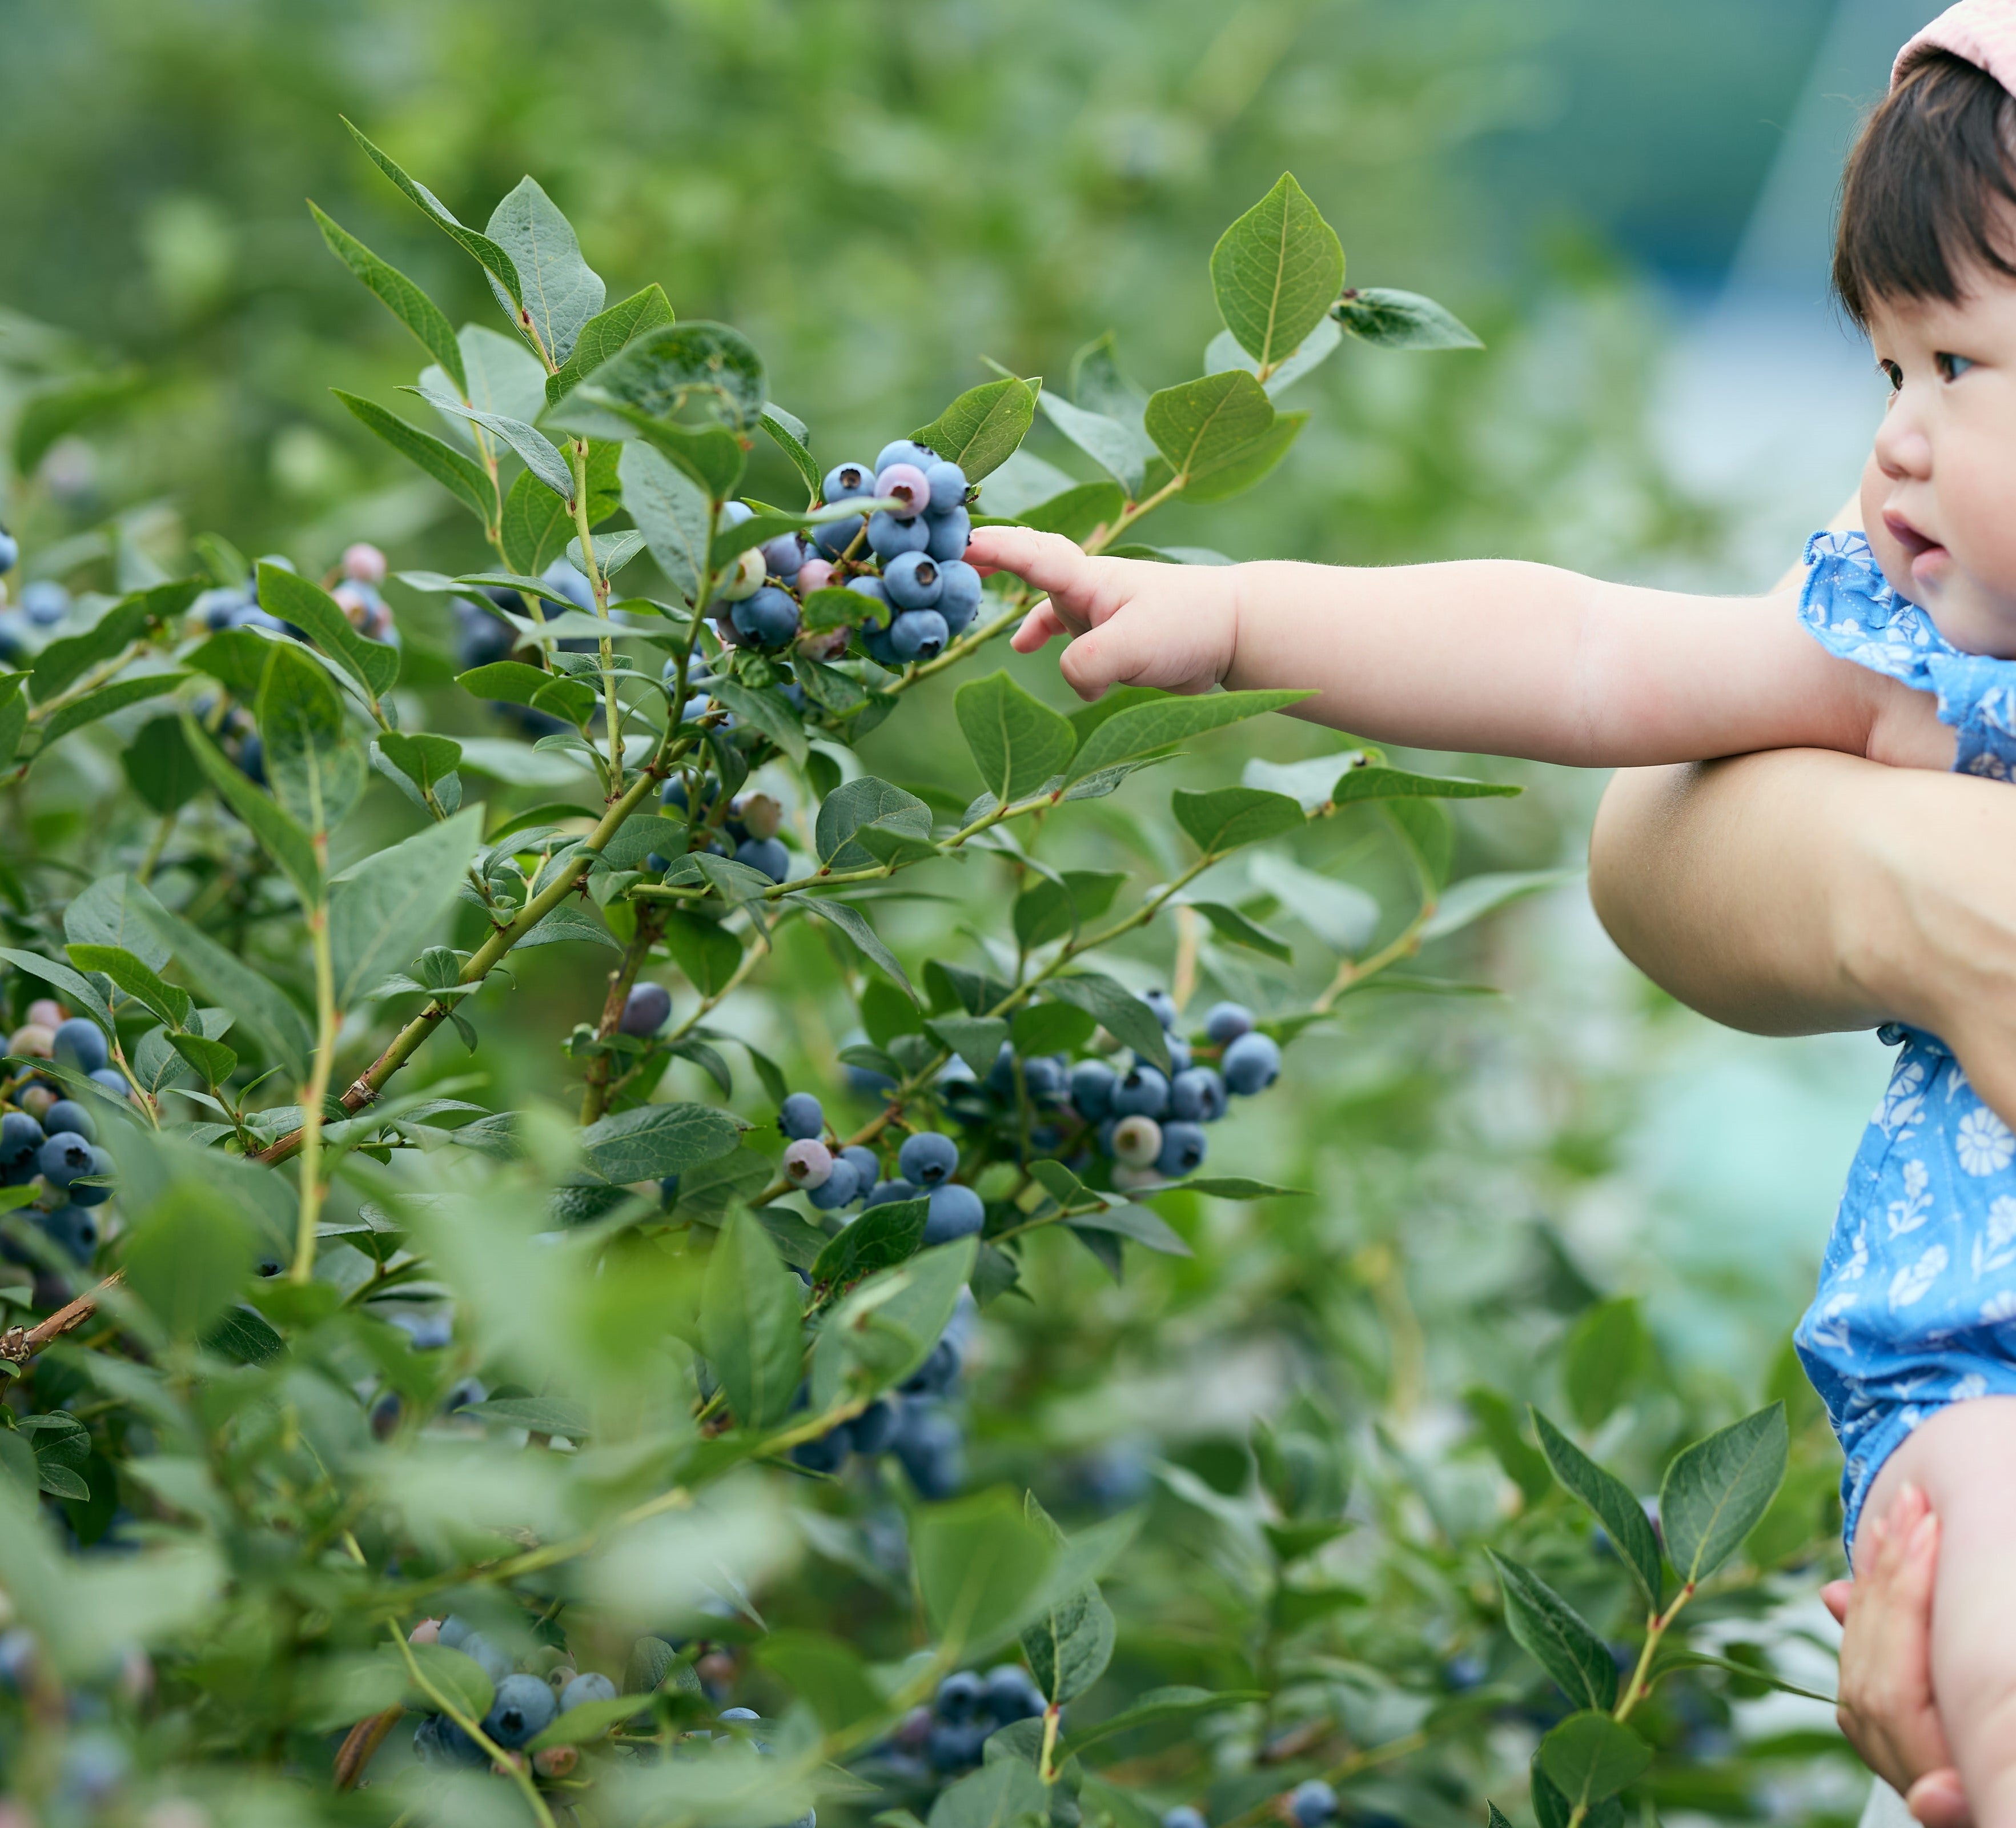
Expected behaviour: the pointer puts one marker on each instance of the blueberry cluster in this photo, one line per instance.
(1147, 1123)
(916, 1424)
(523, 1706)
(949, 1736)
(355, 585)
(745, 828)
(47, 1136)
(42, 604)
(483, 636)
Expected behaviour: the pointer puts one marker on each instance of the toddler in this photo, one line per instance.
(1900, 645)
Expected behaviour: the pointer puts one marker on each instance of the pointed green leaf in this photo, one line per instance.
(1589, 1757)
(606, 334)
(1231, 472)
(108, 914)
(1557, 1636)
(159, 767)
(1224, 351)
(76, 987)
(1121, 450)
(650, 1142)
(92, 705)
(316, 766)
(1168, 718)
(1602, 1359)
(1122, 1013)
(1178, 1703)
(456, 471)
(1237, 929)
(975, 1039)
(1475, 896)
(1378, 782)
(1005, 1793)
(1609, 1500)
(534, 448)
(383, 911)
(1277, 271)
(981, 429)
(68, 658)
(404, 299)
(285, 841)
(1070, 1642)
(853, 924)
(1198, 424)
(788, 434)
(749, 1320)
(1227, 817)
(862, 803)
(374, 664)
(980, 1564)
(485, 252)
(1402, 320)
(1051, 906)
(1018, 743)
(1078, 512)
(136, 978)
(558, 290)
(219, 976)
(659, 374)
(827, 1674)
(1714, 1491)
(881, 1237)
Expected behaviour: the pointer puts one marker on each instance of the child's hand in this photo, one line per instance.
(1886, 1709)
(1132, 621)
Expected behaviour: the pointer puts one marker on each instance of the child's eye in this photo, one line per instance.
(1952, 367)
(1892, 374)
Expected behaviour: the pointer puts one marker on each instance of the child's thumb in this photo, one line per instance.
(1086, 665)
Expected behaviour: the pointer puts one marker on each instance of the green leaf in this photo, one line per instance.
(749, 1320)
(1556, 1636)
(557, 289)
(1198, 425)
(486, 252)
(1120, 449)
(1124, 1016)
(853, 922)
(662, 372)
(1498, 1423)
(424, 760)
(975, 1039)
(825, 1674)
(1142, 728)
(58, 407)
(1051, 1028)
(1429, 834)
(1239, 1187)
(539, 1415)
(887, 1326)
(671, 511)
(159, 767)
(706, 952)
(285, 841)
(1144, 1228)
(1053, 906)
(881, 1237)
(1590, 1757)
(1078, 512)
(981, 428)
(534, 448)
(1224, 351)
(1602, 1359)
(137, 978)
(1475, 896)
(1017, 742)
(1159, 1705)
(1378, 782)
(1230, 816)
(130, 618)
(263, 1010)
(1099, 383)
(591, 1721)
(1236, 929)
(212, 1059)
(536, 524)
(1001, 1794)
(449, 1672)
(1714, 1491)
(456, 471)
(1069, 1644)
(405, 300)
(1402, 320)
(766, 712)
(103, 702)
(374, 664)
(1609, 1500)
(788, 434)
(188, 1258)
(1232, 472)
(980, 1562)
(518, 682)
(108, 914)
(382, 910)
(76, 988)
(504, 377)
(1277, 271)
(606, 334)
(315, 767)
(652, 1140)
(865, 803)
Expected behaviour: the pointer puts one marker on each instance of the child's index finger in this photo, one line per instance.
(1048, 561)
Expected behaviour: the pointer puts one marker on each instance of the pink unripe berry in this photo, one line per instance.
(556, 1761)
(364, 562)
(809, 1164)
(904, 484)
(33, 1039)
(47, 1012)
(762, 815)
(428, 1630)
(815, 574)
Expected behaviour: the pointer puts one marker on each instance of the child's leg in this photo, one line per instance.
(1964, 1460)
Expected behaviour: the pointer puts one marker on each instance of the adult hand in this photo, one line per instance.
(1886, 1708)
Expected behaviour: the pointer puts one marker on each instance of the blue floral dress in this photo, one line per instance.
(1917, 1305)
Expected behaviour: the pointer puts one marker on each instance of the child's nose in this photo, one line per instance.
(1902, 450)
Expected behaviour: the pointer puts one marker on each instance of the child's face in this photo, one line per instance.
(1939, 496)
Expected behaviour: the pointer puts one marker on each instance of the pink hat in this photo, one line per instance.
(1981, 31)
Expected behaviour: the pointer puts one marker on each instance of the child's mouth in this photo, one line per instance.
(1925, 556)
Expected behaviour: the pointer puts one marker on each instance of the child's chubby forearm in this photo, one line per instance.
(1494, 656)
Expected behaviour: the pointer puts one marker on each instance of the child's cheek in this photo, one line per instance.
(1977, 505)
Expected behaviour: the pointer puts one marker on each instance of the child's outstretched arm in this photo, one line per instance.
(1488, 655)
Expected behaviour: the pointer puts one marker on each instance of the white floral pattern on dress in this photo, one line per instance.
(1917, 1303)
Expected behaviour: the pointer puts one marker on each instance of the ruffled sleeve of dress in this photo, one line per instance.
(1849, 606)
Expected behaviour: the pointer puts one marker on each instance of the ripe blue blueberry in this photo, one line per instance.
(828, 1453)
(931, 1450)
(110, 1079)
(958, 1697)
(524, 1708)
(1251, 1064)
(1225, 1022)
(800, 1117)
(918, 634)
(871, 1432)
(669, 1191)
(768, 619)
(949, 534)
(842, 1186)
(252, 759)
(1197, 1096)
(1043, 1076)
(645, 1010)
(67, 1114)
(766, 854)
(493, 1661)
(956, 1212)
(590, 1685)
(938, 1373)
(904, 484)
(21, 1139)
(844, 481)
(10, 550)
(1312, 1803)
(880, 649)
(959, 593)
(913, 581)
(1183, 1815)
(949, 486)
(64, 1157)
(783, 556)
(884, 1191)
(833, 537)
(734, 514)
(1012, 1695)
(1136, 1141)
(867, 1167)
(454, 1631)
(903, 450)
(889, 538)
(874, 590)
(71, 1229)
(927, 1157)
(1092, 1084)
(1183, 1150)
(1143, 1093)
(1164, 1005)
(45, 602)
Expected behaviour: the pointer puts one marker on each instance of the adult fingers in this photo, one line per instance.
(1938, 1799)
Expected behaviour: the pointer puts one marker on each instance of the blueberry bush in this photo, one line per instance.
(379, 1451)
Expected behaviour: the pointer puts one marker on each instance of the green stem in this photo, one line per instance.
(1135, 511)
(159, 843)
(612, 706)
(315, 1094)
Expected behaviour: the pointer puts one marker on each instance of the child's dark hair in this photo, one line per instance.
(1926, 190)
